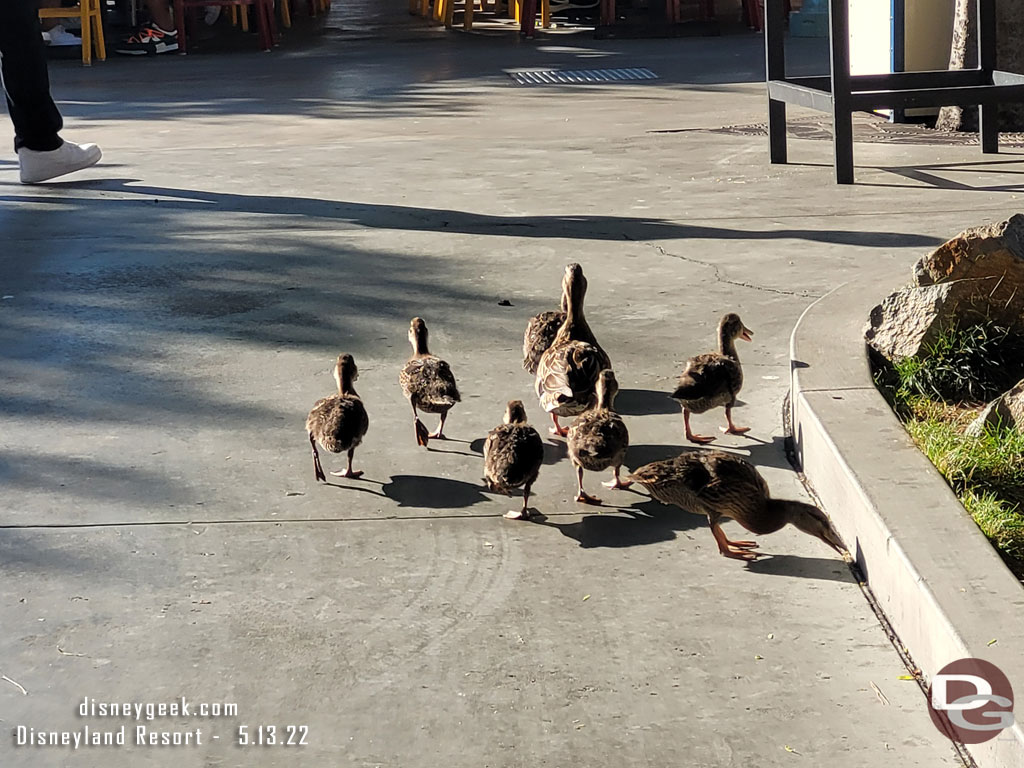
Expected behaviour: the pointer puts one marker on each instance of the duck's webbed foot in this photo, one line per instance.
(558, 429)
(732, 429)
(617, 482)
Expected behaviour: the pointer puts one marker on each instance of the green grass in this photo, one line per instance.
(936, 396)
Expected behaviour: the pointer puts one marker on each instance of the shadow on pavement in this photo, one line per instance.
(432, 492)
(823, 568)
(644, 402)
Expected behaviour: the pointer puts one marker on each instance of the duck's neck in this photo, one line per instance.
(605, 399)
(806, 517)
(727, 344)
(345, 385)
(419, 345)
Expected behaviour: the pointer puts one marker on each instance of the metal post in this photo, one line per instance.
(775, 69)
(988, 127)
(842, 117)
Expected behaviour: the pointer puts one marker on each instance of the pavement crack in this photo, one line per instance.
(720, 278)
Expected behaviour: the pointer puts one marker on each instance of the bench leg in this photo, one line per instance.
(988, 128)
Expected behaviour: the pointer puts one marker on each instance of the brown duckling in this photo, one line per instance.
(724, 486)
(540, 334)
(513, 454)
(338, 422)
(568, 370)
(598, 439)
(428, 383)
(714, 379)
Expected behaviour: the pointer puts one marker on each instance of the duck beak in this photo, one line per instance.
(747, 334)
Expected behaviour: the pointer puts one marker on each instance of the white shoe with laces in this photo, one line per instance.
(67, 158)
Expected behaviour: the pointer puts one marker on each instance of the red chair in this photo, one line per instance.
(264, 18)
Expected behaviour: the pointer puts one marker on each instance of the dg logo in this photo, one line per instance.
(971, 701)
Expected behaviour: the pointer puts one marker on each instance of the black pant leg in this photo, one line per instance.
(36, 118)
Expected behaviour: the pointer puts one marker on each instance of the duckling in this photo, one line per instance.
(338, 422)
(714, 379)
(568, 369)
(513, 454)
(724, 486)
(540, 333)
(428, 383)
(598, 439)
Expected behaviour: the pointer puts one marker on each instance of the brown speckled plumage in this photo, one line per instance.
(338, 422)
(540, 335)
(598, 439)
(714, 379)
(513, 454)
(568, 370)
(724, 486)
(427, 382)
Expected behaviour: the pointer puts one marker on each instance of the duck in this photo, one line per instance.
(567, 371)
(598, 439)
(338, 422)
(714, 379)
(539, 335)
(513, 454)
(428, 383)
(724, 486)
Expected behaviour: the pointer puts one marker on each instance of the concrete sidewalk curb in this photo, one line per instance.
(895, 512)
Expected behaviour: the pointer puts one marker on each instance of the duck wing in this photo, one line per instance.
(338, 423)
(567, 375)
(513, 454)
(431, 381)
(540, 334)
(708, 376)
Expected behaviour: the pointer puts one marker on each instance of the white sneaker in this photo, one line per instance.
(60, 36)
(67, 158)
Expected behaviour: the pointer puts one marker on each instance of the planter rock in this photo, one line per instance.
(1007, 410)
(976, 276)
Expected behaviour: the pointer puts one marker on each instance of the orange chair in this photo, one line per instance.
(92, 26)
(264, 18)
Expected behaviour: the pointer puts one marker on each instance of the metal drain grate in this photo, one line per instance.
(580, 76)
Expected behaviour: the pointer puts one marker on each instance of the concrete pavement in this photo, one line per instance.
(174, 313)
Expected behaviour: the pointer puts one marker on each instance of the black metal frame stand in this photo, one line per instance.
(842, 94)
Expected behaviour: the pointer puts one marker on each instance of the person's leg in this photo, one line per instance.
(160, 12)
(36, 119)
(42, 154)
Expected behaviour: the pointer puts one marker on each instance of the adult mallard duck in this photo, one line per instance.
(568, 369)
(513, 454)
(598, 439)
(338, 422)
(724, 486)
(428, 383)
(714, 379)
(540, 334)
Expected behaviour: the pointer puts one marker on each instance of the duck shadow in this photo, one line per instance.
(822, 568)
(634, 526)
(432, 492)
(554, 450)
(359, 487)
(644, 402)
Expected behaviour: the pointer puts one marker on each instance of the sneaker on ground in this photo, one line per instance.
(68, 157)
(148, 40)
(60, 36)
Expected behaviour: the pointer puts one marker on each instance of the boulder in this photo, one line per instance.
(1007, 410)
(976, 276)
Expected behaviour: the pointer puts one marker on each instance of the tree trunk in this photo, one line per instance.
(1009, 58)
(963, 55)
